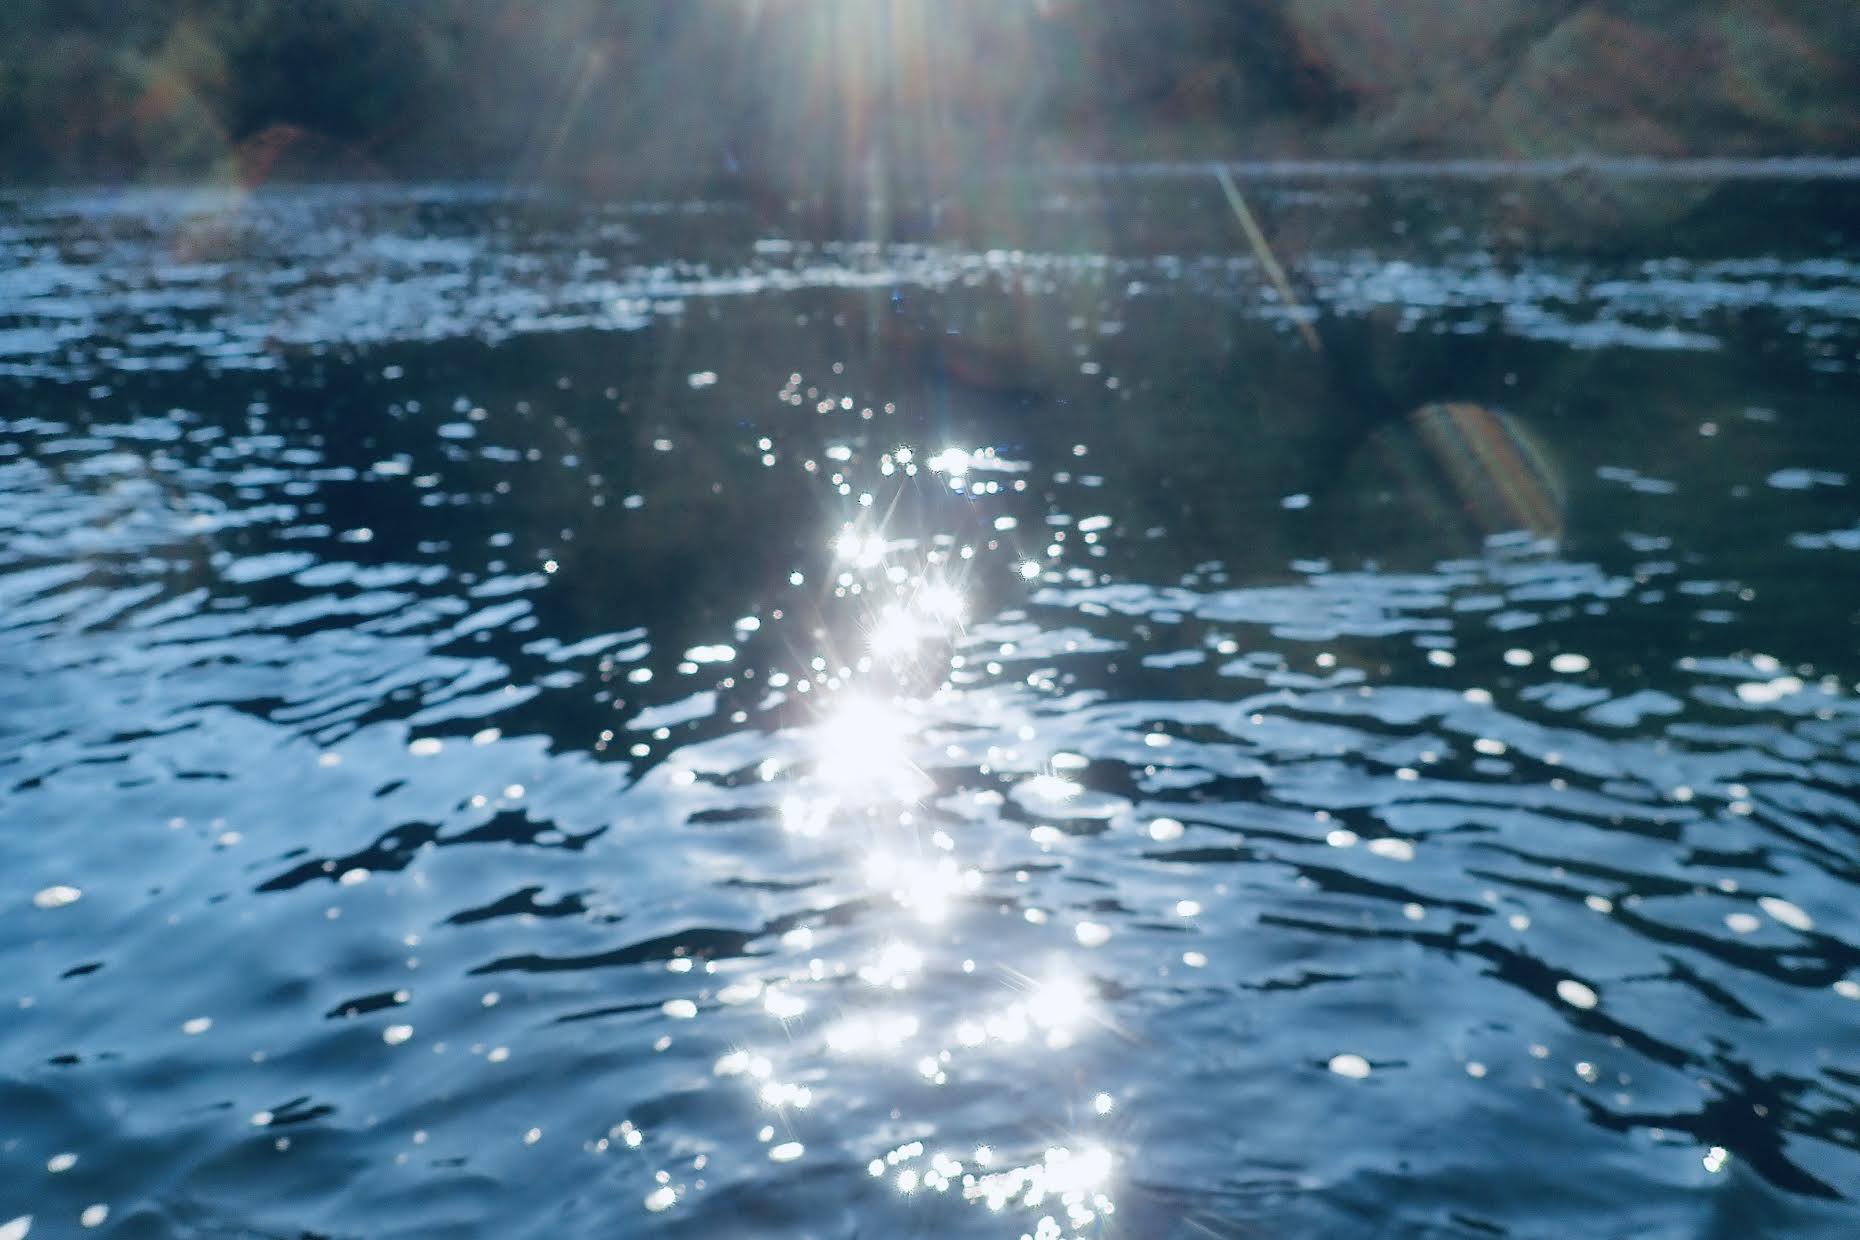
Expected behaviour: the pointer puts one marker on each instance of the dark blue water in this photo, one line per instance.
(545, 719)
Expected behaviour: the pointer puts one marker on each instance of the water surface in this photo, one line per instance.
(547, 718)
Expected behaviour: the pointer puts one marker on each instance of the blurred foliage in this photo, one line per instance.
(823, 96)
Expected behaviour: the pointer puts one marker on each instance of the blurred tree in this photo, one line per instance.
(834, 97)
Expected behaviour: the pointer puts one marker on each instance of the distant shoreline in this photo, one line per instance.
(1781, 167)
(696, 189)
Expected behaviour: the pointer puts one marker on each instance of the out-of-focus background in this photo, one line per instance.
(814, 95)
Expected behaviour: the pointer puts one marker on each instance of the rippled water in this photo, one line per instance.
(539, 719)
